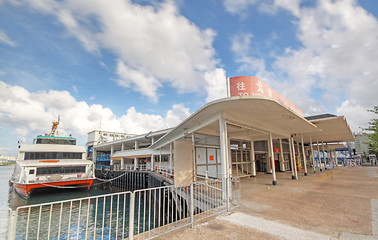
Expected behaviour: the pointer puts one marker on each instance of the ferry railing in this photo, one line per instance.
(142, 214)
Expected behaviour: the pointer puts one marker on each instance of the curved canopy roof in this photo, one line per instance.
(334, 129)
(249, 117)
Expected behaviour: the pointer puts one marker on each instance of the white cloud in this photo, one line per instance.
(216, 84)
(154, 45)
(357, 115)
(138, 122)
(336, 64)
(5, 39)
(240, 7)
(340, 51)
(31, 113)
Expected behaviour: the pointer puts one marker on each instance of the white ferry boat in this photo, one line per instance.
(51, 161)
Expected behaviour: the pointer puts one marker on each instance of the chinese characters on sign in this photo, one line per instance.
(251, 86)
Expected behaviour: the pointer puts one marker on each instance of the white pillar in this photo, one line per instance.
(269, 156)
(304, 156)
(253, 160)
(194, 156)
(295, 160)
(111, 154)
(282, 162)
(312, 154)
(152, 156)
(320, 165)
(330, 153)
(325, 162)
(94, 155)
(136, 146)
(270, 145)
(299, 154)
(291, 159)
(224, 149)
(122, 158)
(170, 158)
(160, 158)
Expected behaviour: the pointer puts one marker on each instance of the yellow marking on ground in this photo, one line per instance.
(327, 175)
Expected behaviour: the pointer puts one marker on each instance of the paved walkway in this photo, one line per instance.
(275, 228)
(338, 205)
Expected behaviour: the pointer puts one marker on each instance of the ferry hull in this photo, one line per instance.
(24, 190)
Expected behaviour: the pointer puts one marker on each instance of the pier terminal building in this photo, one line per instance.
(255, 129)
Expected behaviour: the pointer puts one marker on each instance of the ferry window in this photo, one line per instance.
(56, 141)
(31, 171)
(60, 170)
(52, 155)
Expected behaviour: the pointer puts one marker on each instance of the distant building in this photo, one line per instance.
(361, 143)
(97, 137)
(4, 158)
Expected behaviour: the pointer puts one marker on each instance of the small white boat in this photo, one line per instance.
(51, 161)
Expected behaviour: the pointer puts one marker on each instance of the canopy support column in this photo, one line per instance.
(312, 154)
(320, 161)
(170, 158)
(136, 146)
(270, 145)
(304, 156)
(291, 159)
(224, 148)
(299, 158)
(111, 154)
(160, 158)
(122, 158)
(282, 162)
(253, 160)
(325, 161)
(152, 162)
(269, 156)
(294, 162)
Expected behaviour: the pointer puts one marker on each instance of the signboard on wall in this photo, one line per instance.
(251, 86)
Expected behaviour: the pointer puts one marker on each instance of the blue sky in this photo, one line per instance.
(136, 66)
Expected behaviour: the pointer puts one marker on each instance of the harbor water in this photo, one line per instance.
(10, 200)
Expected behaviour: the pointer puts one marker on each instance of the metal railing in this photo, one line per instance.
(165, 171)
(97, 217)
(142, 214)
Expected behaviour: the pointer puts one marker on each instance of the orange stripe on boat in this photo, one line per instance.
(49, 161)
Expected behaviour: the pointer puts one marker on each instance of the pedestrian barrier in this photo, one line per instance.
(142, 214)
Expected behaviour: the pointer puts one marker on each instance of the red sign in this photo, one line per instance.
(251, 86)
(276, 150)
(211, 157)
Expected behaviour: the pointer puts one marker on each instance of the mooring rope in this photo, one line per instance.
(100, 179)
(112, 179)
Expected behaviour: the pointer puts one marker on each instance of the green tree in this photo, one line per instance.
(373, 127)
